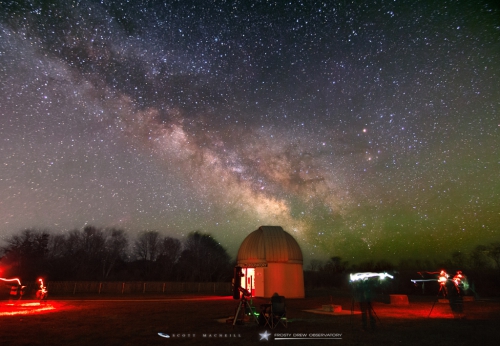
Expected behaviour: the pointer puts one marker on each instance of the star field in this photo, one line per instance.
(366, 130)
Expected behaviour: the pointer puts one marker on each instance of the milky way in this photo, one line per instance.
(367, 131)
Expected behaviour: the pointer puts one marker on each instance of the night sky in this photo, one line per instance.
(366, 129)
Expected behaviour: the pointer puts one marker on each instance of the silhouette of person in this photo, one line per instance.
(461, 285)
(363, 294)
(455, 299)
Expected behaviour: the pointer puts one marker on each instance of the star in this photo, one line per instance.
(265, 335)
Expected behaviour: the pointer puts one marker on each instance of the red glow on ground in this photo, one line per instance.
(438, 310)
(28, 308)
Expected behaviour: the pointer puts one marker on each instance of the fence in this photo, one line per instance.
(113, 287)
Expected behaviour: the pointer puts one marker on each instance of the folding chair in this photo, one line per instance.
(266, 316)
(276, 314)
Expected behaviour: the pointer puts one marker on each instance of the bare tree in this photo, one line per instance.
(146, 249)
(56, 245)
(57, 262)
(26, 254)
(84, 253)
(168, 255)
(115, 248)
(147, 245)
(92, 245)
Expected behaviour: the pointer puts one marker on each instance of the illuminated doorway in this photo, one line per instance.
(248, 280)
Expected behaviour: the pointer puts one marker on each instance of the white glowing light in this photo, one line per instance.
(443, 277)
(12, 280)
(364, 276)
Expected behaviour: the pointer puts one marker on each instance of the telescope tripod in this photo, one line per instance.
(369, 311)
(241, 309)
(442, 289)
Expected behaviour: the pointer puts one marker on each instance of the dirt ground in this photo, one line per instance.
(200, 320)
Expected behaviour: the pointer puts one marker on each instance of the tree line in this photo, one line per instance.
(108, 254)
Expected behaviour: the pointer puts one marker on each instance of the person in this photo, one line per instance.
(455, 299)
(42, 293)
(461, 282)
(363, 294)
(266, 310)
(461, 287)
(443, 280)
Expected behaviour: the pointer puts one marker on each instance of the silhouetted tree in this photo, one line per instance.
(333, 272)
(493, 252)
(146, 248)
(383, 266)
(168, 255)
(91, 252)
(204, 259)
(57, 262)
(25, 255)
(147, 245)
(458, 259)
(366, 266)
(56, 246)
(335, 265)
(115, 249)
(313, 276)
(478, 259)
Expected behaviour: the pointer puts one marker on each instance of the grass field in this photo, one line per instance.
(137, 320)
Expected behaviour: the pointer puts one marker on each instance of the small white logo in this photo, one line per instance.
(265, 335)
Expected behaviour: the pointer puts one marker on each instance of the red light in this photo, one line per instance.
(42, 292)
(443, 277)
(25, 308)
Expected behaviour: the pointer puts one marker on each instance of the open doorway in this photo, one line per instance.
(248, 280)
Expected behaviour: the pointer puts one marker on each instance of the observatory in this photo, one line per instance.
(271, 260)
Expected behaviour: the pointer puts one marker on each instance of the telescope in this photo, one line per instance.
(245, 292)
(238, 274)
